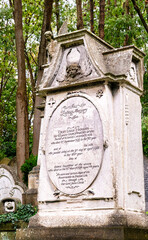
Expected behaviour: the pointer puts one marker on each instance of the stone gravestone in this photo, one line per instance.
(91, 183)
(30, 196)
(10, 189)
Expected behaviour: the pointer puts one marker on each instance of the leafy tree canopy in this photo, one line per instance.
(121, 23)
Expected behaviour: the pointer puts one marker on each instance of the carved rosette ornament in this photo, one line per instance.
(99, 94)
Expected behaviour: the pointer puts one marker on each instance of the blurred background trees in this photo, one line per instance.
(118, 22)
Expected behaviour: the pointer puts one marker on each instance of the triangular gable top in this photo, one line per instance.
(81, 56)
(73, 57)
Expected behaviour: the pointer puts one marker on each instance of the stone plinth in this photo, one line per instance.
(114, 233)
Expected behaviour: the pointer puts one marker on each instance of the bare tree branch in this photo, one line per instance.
(140, 15)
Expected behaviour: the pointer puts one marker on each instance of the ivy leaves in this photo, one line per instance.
(23, 213)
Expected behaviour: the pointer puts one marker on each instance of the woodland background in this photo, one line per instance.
(23, 52)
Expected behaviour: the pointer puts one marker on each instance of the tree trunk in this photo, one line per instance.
(41, 60)
(102, 19)
(57, 15)
(140, 15)
(31, 77)
(146, 7)
(92, 15)
(79, 14)
(22, 148)
(126, 40)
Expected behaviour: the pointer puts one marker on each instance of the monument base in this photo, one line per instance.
(82, 225)
(83, 233)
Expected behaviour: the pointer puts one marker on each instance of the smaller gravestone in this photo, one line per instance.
(30, 196)
(11, 189)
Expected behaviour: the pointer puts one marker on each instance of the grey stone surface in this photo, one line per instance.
(63, 29)
(8, 230)
(108, 233)
(74, 147)
(90, 151)
(11, 189)
(30, 196)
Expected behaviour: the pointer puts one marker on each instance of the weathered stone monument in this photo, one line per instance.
(11, 189)
(91, 183)
(30, 196)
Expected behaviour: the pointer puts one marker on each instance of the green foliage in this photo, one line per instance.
(23, 213)
(118, 24)
(27, 167)
(145, 135)
(67, 11)
(144, 101)
(7, 84)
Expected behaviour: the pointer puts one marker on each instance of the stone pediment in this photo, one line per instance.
(78, 57)
(74, 57)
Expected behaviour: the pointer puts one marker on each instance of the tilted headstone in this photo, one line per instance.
(90, 151)
(11, 189)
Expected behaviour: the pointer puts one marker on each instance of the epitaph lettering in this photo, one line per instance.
(74, 146)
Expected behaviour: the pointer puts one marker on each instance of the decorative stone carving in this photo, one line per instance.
(132, 72)
(51, 102)
(100, 92)
(51, 46)
(9, 186)
(75, 65)
(126, 110)
(9, 205)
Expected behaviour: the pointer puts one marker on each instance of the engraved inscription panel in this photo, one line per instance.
(74, 147)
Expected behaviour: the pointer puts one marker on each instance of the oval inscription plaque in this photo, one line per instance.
(74, 147)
